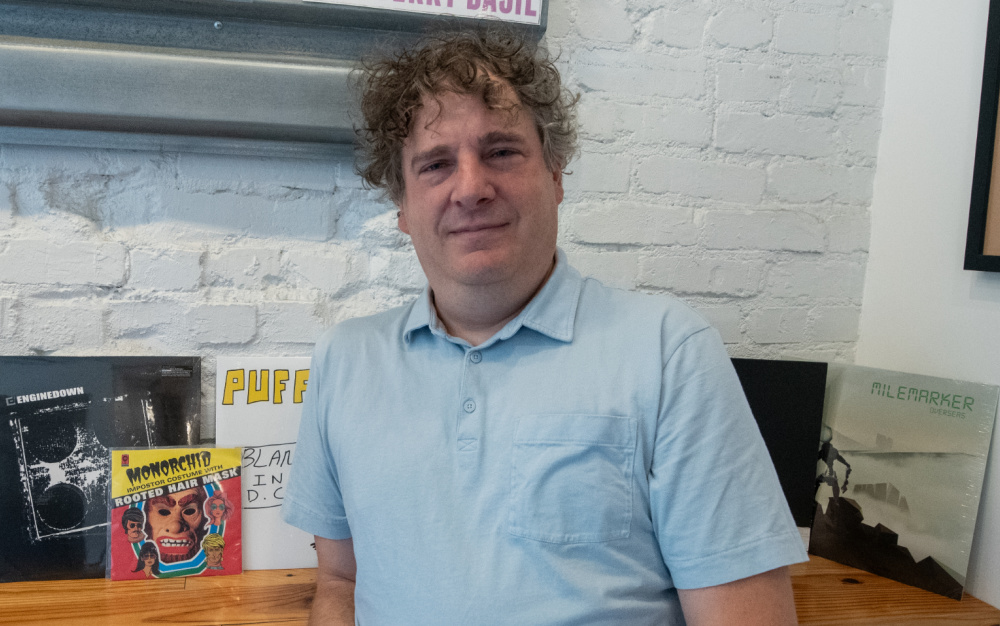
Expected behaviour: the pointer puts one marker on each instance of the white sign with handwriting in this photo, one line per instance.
(258, 405)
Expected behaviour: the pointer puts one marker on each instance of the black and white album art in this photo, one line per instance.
(59, 418)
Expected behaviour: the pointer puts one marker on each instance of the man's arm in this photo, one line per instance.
(333, 604)
(762, 600)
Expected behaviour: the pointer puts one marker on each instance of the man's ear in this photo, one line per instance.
(557, 177)
(401, 218)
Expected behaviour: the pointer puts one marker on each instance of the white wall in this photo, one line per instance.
(921, 311)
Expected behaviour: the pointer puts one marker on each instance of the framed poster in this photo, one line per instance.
(982, 245)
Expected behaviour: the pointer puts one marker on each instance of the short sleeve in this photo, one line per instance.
(313, 500)
(715, 498)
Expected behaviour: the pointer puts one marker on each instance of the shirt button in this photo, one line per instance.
(469, 405)
(475, 357)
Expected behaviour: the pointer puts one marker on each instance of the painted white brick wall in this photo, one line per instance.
(728, 150)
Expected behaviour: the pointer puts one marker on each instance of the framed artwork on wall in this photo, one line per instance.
(982, 245)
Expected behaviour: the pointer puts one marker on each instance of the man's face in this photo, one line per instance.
(479, 202)
(213, 556)
(174, 521)
(134, 531)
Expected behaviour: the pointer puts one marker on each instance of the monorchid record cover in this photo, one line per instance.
(175, 512)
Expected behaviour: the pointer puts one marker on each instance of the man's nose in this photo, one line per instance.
(473, 183)
(176, 522)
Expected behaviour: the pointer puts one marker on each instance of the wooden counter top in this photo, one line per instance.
(825, 593)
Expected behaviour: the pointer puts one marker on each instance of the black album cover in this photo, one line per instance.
(786, 398)
(59, 418)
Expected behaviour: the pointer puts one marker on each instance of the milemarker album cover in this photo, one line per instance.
(59, 419)
(900, 473)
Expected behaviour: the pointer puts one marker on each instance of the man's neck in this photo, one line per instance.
(477, 313)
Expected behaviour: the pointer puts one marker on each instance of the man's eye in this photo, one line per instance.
(502, 152)
(190, 511)
(163, 512)
(431, 167)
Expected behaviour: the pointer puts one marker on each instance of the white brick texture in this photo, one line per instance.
(817, 279)
(807, 33)
(813, 181)
(680, 27)
(600, 172)
(166, 270)
(633, 224)
(763, 230)
(668, 124)
(243, 268)
(702, 276)
(68, 327)
(222, 323)
(740, 28)
(748, 82)
(835, 324)
(143, 318)
(641, 76)
(290, 322)
(778, 325)
(777, 134)
(329, 272)
(863, 35)
(604, 20)
(702, 179)
(45, 262)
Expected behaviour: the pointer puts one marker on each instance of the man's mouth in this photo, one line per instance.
(476, 228)
(174, 546)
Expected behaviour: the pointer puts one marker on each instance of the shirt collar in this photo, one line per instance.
(551, 312)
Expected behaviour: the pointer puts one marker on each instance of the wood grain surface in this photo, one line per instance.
(825, 593)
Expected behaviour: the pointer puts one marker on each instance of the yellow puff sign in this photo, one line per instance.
(264, 385)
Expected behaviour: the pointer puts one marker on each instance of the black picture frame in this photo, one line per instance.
(980, 254)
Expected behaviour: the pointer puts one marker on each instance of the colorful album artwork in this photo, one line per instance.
(175, 512)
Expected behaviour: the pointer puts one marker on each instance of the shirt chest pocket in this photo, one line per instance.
(571, 478)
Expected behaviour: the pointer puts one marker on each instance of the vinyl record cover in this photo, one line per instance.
(259, 402)
(59, 418)
(900, 474)
(786, 398)
(175, 512)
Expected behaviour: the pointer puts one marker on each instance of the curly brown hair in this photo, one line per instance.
(482, 63)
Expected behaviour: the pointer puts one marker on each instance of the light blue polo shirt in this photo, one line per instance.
(593, 455)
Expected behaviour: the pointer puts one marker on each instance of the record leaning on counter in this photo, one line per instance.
(59, 418)
(901, 466)
(258, 406)
(786, 398)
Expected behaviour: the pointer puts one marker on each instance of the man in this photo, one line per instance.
(132, 521)
(214, 545)
(521, 445)
(175, 523)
